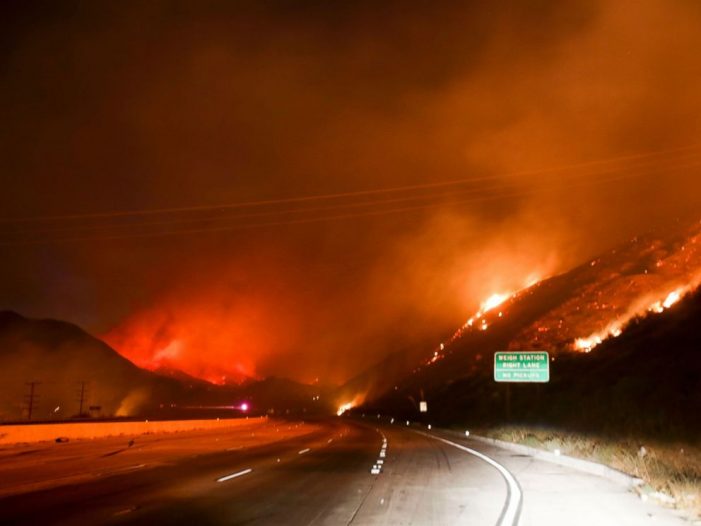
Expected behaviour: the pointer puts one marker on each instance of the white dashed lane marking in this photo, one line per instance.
(234, 475)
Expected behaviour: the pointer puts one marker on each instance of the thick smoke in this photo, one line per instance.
(167, 105)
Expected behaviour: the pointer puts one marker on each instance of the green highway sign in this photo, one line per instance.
(521, 367)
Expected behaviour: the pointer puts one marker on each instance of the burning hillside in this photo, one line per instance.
(569, 313)
(644, 383)
(647, 275)
(214, 335)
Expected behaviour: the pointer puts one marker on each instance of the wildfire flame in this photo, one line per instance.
(488, 305)
(673, 298)
(344, 407)
(494, 301)
(615, 329)
(491, 303)
(347, 406)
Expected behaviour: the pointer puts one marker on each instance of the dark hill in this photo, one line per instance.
(60, 356)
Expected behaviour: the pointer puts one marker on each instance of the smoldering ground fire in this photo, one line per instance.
(493, 143)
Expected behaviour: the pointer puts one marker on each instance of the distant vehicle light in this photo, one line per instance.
(244, 407)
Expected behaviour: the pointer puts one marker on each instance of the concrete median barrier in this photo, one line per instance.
(29, 433)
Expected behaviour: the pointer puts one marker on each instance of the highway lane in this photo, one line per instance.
(44, 465)
(178, 466)
(320, 474)
(321, 477)
(422, 482)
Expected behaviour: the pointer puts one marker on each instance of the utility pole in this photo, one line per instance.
(508, 403)
(81, 397)
(31, 398)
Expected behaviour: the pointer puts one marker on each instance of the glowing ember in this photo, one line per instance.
(435, 358)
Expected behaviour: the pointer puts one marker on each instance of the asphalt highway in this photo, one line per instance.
(304, 473)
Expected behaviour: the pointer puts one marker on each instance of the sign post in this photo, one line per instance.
(522, 367)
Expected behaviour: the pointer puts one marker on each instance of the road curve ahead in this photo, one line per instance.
(336, 472)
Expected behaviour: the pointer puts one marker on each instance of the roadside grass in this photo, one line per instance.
(671, 471)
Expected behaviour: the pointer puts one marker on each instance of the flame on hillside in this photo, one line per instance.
(645, 276)
(347, 406)
(483, 318)
(493, 301)
(344, 407)
(615, 328)
(219, 345)
(490, 304)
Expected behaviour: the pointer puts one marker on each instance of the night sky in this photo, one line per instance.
(298, 188)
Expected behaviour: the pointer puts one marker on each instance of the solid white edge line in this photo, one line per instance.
(302, 452)
(234, 475)
(511, 512)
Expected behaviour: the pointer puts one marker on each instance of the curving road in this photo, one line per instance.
(304, 473)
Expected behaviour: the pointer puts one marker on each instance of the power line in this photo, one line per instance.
(81, 397)
(525, 192)
(361, 204)
(341, 195)
(316, 219)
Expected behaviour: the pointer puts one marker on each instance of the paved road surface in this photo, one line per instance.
(294, 473)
